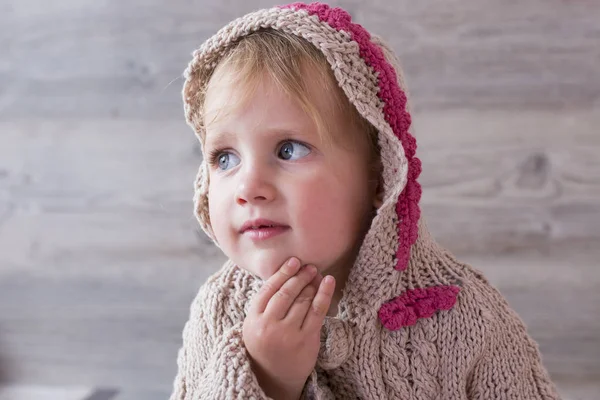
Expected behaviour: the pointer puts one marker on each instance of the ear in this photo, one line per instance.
(377, 180)
(378, 197)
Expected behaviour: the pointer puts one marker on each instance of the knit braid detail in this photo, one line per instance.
(396, 357)
(425, 359)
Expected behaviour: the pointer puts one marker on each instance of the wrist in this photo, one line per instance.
(276, 389)
(279, 393)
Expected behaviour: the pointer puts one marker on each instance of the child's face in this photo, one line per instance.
(270, 163)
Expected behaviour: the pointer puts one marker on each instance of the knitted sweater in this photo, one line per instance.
(479, 349)
(413, 321)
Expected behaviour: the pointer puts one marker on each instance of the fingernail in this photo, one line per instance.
(329, 279)
(293, 262)
(311, 269)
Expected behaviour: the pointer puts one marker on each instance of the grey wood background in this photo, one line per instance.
(100, 255)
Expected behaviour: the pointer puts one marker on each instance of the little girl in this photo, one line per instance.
(334, 288)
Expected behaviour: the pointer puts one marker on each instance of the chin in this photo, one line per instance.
(263, 263)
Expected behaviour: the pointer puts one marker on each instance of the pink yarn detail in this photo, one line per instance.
(394, 99)
(413, 304)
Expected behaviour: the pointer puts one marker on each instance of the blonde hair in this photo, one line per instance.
(287, 60)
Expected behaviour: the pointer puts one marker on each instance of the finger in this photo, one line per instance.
(300, 307)
(316, 282)
(273, 284)
(283, 299)
(320, 305)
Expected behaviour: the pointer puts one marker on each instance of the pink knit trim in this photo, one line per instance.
(413, 304)
(394, 99)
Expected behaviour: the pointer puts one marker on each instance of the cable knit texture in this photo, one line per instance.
(413, 322)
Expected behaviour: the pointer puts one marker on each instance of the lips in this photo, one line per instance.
(261, 223)
(262, 229)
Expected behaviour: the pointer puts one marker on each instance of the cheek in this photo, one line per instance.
(213, 203)
(329, 212)
(217, 211)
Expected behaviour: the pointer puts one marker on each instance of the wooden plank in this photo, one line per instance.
(101, 256)
(125, 334)
(89, 59)
(94, 333)
(503, 181)
(39, 392)
(569, 391)
(481, 55)
(123, 189)
(42, 392)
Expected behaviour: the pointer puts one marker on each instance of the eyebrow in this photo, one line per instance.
(221, 138)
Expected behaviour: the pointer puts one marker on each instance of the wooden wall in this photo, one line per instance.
(100, 255)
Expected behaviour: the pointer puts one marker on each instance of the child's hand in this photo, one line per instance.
(282, 329)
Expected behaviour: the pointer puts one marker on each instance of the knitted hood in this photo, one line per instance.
(398, 260)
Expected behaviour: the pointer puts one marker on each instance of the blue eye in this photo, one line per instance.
(225, 160)
(293, 151)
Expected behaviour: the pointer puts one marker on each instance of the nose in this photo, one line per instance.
(255, 186)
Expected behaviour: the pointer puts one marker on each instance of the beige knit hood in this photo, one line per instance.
(376, 88)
